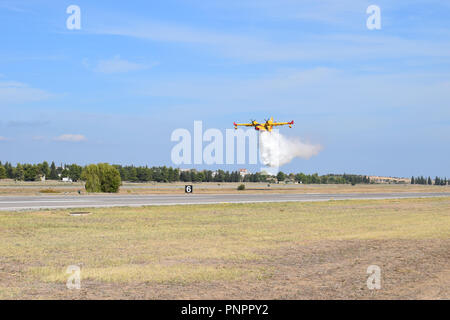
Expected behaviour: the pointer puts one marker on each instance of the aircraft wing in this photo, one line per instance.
(245, 124)
(283, 123)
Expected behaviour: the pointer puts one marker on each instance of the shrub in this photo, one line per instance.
(49, 191)
(91, 175)
(101, 178)
(241, 187)
(109, 178)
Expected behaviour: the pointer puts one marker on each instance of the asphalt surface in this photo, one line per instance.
(15, 203)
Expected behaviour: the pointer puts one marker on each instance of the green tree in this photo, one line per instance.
(10, 170)
(53, 172)
(102, 177)
(3, 174)
(132, 174)
(44, 169)
(200, 176)
(300, 177)
(281, 176)
(65, 171)
(91, 175)
(30, 172)
(109, 178)
(315, 178)
(74, 172)
(19, 173)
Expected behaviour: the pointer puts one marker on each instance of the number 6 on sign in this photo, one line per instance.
(188, 189)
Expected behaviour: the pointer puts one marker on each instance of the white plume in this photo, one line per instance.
(277, 150)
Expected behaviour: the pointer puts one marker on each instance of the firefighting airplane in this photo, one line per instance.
(267, 126)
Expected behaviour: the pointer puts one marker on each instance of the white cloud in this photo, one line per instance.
(11, 7)
(3, 139)
(18, 92)
(118, 65)
(259, 47)
(324, 11)
(71, 138)
(320, 90)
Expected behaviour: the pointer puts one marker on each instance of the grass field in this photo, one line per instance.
(242, 251)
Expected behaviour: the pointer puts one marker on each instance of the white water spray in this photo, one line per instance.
(277, 150)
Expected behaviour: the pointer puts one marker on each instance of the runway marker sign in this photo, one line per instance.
(188, 188)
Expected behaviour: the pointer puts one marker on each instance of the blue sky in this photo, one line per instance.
(378, 101)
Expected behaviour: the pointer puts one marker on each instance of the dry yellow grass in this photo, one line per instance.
(194, 244)
(36, 188)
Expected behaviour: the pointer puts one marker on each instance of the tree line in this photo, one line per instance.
(169, 174)
(34, 172)
(438, 181)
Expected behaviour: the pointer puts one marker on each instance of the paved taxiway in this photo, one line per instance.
(14, 203)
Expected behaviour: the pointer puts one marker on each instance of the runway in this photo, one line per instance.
(16, 203)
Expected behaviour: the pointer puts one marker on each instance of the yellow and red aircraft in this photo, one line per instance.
(267, 126)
